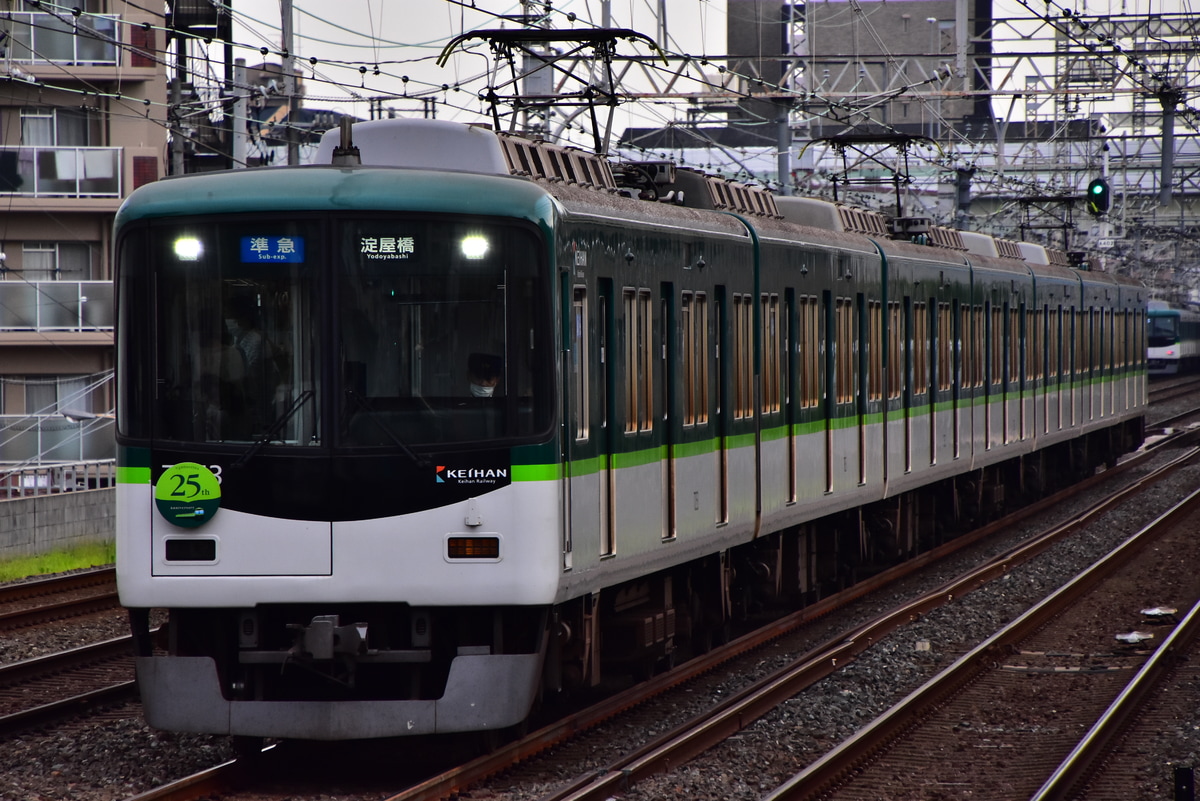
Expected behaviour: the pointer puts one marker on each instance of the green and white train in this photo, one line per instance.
(408, 444)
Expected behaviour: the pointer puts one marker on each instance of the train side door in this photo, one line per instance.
(721, 402)
(589, 471)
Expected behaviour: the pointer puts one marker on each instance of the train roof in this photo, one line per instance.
(359, 188)
(577, 200)
(438, 165)
(1162, 308)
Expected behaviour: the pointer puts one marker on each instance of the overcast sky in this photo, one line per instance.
(405, 38)
(364, 48)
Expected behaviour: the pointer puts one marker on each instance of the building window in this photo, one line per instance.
(54, 127)
(53, 395)
(54, 261)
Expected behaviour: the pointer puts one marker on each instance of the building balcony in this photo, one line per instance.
(39, 45)
(68, 306)
(35, 440)
(75, 172)
(86, 40)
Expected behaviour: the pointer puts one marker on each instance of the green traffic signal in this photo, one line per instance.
(1098, 200)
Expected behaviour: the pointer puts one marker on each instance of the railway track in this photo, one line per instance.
(1170, 388)
(39, 691)
(42, 690)
(1108, 763)
(1014, 706)
(676, 747)
(48, 600)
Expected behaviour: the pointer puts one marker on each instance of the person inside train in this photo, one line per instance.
(484, 370)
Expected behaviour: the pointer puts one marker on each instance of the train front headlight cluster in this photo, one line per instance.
(474, 247)
(188, 248)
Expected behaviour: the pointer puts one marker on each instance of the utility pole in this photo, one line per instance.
(289, 83)
(239, 145)
(1169, 98)
(177, 103)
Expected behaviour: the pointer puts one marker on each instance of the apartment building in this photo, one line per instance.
(83, 123)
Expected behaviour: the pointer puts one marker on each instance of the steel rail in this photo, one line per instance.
(827, 772)
(57, 663)
(48, 613)
(212, 782)
(67, 707)
(104, 578)
(20, 591)
(26, 669)
(1077, 769)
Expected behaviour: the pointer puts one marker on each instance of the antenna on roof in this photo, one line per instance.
(346, 154)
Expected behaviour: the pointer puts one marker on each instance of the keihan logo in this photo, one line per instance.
(471, 475)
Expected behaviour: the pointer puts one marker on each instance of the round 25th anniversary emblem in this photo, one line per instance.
(187, 494)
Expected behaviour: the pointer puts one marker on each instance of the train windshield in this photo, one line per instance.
(347, 331)
(235, 340)
(438, 333)
(1162, 331)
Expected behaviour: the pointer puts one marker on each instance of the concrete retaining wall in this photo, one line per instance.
(43, 523)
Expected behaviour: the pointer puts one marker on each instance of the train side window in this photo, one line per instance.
(685, 331)
(977, 346)
(1090, 342)
(1120, 337)
(997, 338)
(771, 336)
(843, 312)
(693, 316)
(639, 371)
(920, 346)
(1110, 338)
(1052, 343)
(604, 333)
(874, 351)
(743, 356)
(967, 343)
(1079, 367)
(945, 348)
(807, 345)
(1137, 333)
(895, 367)
(1106, 339)
(1033, 325)
(1014, 340)
(580, 365)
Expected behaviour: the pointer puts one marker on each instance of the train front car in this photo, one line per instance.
(1172, 339)
(336, 412)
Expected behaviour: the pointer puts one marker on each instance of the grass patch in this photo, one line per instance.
(103, 553)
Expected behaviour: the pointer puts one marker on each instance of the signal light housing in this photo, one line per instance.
(1098, 198)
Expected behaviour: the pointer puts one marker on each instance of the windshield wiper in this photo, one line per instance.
(274, 429)
(363, 403)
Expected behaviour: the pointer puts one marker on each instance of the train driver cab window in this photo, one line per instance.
(440, 327)
(236, 354)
